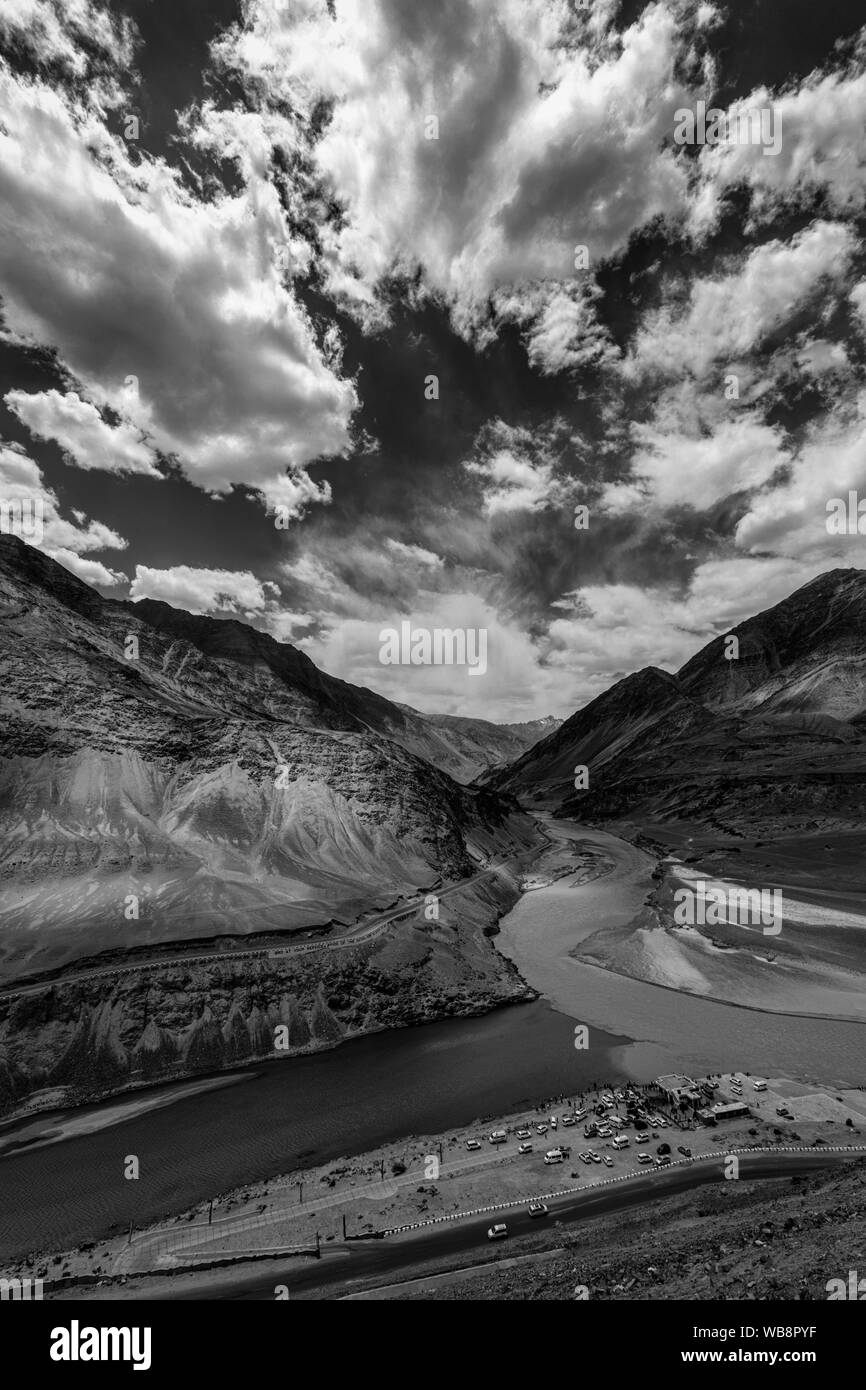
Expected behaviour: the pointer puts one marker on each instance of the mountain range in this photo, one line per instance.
(757, 737)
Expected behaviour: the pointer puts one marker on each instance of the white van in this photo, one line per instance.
(554, 1156)
(759, 1085)
(620, 1142)
(497, 1137)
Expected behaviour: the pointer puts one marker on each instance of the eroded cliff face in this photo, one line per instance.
(88, 1038)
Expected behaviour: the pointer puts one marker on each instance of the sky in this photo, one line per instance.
(327, 314)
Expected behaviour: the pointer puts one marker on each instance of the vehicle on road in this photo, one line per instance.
(641, 1139)
(536, 1209)
(608, 1161)
(681, 1149)
(554, 1156)
(523, 1134)
(568, 1120)
(497, 1232)
(525, 1149)
(596, 1158)
(472, 1144)
(497, 1137)
(579, 1115)
(541, 1129)
(759, 1085)
(553, 1122)
(620, 1142)
(585, 1158)
(644, 1158)
(783, 1110)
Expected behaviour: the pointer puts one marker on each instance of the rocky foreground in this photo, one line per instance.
(781, 1240)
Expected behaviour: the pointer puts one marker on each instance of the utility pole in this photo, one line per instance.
(344, 1225)
(382, 1168)
(300, 1187)
(318, 1248)
(210, 1215)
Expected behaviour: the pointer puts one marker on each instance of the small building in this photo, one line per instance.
(735, 1110)
(677, 1088)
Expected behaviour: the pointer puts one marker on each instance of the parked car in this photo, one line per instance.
(536, 1209)
(524, 1149)
(472, 1144)
(497, 1232)
(608, 1161)
(681, 1149)
(523, 1134)
(585, 1158)
(596, 1158)
(568, 1120)
(644, 1158)
(497, 1137)
(541, 1129)
(641, 1139)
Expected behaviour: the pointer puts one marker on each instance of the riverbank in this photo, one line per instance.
(434, 1176)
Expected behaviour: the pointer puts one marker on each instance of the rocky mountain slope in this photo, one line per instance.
(772, 740)
(768, 1240)
(166, 778)
(469, 747)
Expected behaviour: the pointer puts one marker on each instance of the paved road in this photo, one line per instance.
(354, 937)
(344, 1264)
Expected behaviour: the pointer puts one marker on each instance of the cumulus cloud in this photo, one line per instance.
(52, 30)
(68, 542)
(201, 590)
(516, 470)
(114, 263)
(821, 122)
(791, 518)
(676, 470)
(728, 315)
(550, 130)
(85, 438)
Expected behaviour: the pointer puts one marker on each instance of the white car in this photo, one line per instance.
(608, 1162)
(524, 1149)
(644, 1158)
(536, 1209)
(472, 1144)
(523, 1134)
(641, 1139)
(568, 1120)
(541, 1129)
(498, 1232)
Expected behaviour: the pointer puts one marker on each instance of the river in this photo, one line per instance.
(309, 1110)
